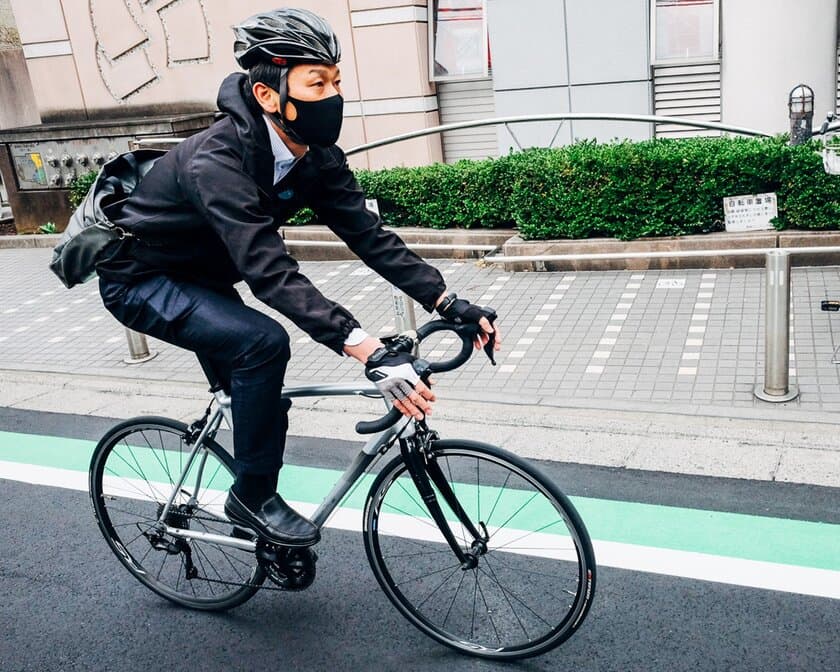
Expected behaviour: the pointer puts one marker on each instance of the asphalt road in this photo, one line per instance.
(67, 603)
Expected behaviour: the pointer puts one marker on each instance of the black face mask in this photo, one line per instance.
(318, 122)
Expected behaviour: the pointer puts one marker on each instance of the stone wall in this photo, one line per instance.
(9, 38)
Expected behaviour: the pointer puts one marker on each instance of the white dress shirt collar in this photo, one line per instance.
(284, 160)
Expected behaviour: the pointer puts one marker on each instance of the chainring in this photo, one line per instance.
(291, 569)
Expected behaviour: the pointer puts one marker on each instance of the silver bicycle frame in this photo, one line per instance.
(370, 453)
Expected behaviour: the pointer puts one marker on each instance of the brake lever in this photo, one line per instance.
(491, 341)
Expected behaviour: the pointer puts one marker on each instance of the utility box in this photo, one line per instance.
(39, 163)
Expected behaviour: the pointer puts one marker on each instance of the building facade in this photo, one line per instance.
(412, 64)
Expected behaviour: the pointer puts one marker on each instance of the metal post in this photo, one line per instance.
(776, 387)
(404, 318)
(138, 348)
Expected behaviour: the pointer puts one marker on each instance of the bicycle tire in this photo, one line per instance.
(566, 563)
(135, 477)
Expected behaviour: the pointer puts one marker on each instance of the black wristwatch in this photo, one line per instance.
(446, 303)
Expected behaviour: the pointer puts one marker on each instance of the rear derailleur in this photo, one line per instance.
(179, 516)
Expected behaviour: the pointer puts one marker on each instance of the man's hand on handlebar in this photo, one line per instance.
(459, 311)
(398, 375)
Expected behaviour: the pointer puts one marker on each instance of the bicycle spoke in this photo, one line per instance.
(164, 463)
(516, 597)
(198, 555)
(498, 497)
(424, 576)
(516, 513)
(532, 573)
(524, 536)
(454, 597)
(488, 611)
(143, 496)
(146, 480)
(410, 555)
(410, 495)
(478, 487)
(439, 586)
(475, 595)
(513, 611)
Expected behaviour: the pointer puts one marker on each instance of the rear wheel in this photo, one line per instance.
(133, 472)
(535, 574)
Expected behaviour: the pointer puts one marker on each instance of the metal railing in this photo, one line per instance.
(523, 119)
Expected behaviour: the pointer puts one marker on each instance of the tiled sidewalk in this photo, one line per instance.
(654, 337)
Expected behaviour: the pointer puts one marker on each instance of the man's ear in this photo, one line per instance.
(267, 97)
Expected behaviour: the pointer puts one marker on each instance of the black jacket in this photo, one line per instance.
(208, 212)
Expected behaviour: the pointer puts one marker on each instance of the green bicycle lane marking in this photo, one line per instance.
(736, 535)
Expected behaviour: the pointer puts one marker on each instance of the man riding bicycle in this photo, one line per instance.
(207, 216)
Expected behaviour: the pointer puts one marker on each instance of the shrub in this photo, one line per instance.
(80, 186)
(627, 190)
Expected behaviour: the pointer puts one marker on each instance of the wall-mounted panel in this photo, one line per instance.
(624, 98)
(532, 134)
(608, 40)
(527, 43)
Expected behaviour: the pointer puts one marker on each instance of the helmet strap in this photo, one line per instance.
(283, 92)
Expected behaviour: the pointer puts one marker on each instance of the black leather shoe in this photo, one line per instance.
(275, 521)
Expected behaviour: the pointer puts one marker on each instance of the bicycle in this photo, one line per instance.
(472, 544)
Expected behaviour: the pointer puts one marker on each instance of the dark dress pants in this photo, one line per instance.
(248, 350)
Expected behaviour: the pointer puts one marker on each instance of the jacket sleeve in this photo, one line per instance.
(229, 199)
(342, 208)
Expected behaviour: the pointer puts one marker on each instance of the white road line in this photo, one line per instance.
(634, 557)
(507, 368)
(687, 371)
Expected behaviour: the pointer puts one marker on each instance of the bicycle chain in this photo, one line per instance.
(263, 586)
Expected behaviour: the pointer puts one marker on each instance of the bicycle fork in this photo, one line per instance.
(425, 471)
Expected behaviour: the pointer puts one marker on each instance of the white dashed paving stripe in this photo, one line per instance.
(702, 306)
(622, 308)
(536, 326)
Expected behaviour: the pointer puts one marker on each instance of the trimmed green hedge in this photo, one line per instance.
(627, 190)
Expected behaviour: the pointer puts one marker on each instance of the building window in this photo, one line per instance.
(684, 30)
(458, 46)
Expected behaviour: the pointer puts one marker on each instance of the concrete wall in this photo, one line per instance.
(106, 59)
(770, 46)
(17, 100)
(570, 56)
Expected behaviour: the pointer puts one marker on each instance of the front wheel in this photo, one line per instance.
(535, 574)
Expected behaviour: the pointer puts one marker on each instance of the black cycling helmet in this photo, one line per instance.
(283, 37)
